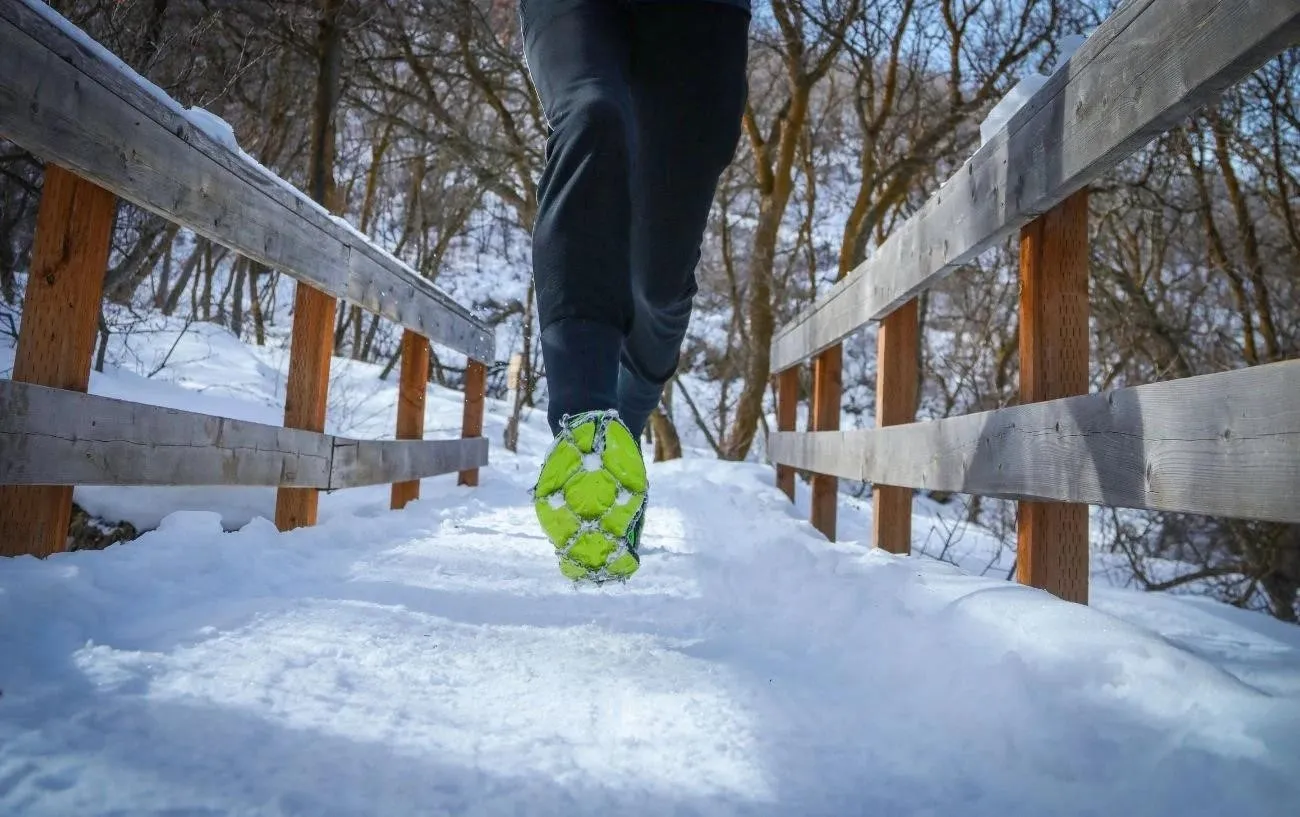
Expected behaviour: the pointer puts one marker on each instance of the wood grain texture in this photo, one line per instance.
(57, 337)
(371, 462)
(66, 437)
(306, 390)
(1224, 444)
(787, 408)
(1054, 303)
(1142, 71)
(828, 368)
(67, 103)
(55, 436)
(897, 381)
(1052, 537)
(61, 305)
(412, 389)
(472, 421)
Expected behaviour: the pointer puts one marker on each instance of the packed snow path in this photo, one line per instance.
(432, 661)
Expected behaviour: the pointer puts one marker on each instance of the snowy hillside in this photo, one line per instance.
(433, 661)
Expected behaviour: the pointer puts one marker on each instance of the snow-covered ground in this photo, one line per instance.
(433, 660)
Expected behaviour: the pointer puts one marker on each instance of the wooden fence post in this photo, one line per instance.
(1052, 537)
(74, 226)
(787, 407)
(412, 389)
(472, 424)
(897, 381)
(827, 367)
(310, 349)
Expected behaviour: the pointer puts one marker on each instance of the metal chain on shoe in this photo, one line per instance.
(624, 544)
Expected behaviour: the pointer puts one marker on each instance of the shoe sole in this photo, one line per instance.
(590, 498)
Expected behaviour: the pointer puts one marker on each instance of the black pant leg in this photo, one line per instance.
(578, 54)
(688, 79)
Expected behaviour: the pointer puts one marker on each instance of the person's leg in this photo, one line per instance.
(578, 55)
(590, 495)
(688, 94)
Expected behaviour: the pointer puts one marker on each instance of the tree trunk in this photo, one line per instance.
(164, 279)
(209, 270)
(237, 299)
(255, 303)
(762, 325)
(668, 446)
(187, 273)
(341, 321)
(153, 32)
(321, 184)
(222, 315)
(392, 363)
(662, 430)
(103, 342)
(1249, 238)
(524, 392)
(122, 281)
(776, 183)
(329, 51)
(377, 151)
(357, 327)
(13, 213)
(370, 338)
(1282, 583)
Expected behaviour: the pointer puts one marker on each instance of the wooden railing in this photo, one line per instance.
(1225, 444)
(104, 133)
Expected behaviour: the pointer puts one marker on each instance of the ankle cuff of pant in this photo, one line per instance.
(637, 400)
(581, 359)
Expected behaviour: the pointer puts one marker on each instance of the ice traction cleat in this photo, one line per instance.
(590, 497)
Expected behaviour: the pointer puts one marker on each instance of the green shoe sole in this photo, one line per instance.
(590, 498)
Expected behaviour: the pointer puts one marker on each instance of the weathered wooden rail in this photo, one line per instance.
(1226, 444)
(106, 133)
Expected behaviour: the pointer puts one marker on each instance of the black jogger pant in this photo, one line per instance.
(644, 101)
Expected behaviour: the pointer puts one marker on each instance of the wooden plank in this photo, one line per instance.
(1052, 537)
(1141, 72)
(787, 408)
(381, 283)
(472, 421)
(411, 392)
(827, 369)
(897, 380)
(75, 104)
(54, 436)
(371, 462)
(74, 224)
(50, 436)
(57, 336)
(306, 391)
(1224, 444)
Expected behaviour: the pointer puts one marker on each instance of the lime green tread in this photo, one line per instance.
(623, 566)
(592, 508)
(584, 436)
(561, 463)
(572, 570)
(590, 494)
(622, 458)
(592, 549)
(619, 518)
(559, 524)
